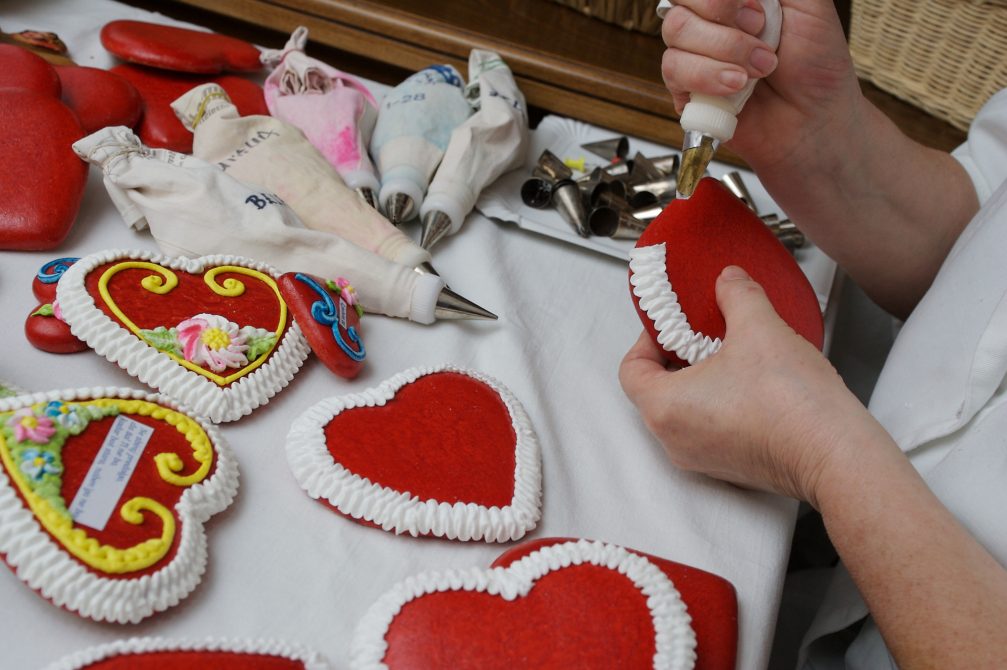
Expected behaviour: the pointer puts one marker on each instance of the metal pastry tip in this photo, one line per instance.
(399, 208)
(696, 156)
(610, 150)
(436, 226)
(567, 199)
(369, 196)
(620, 225)
(450, 305)
(735, 184)
(536, 192)
(425, 268)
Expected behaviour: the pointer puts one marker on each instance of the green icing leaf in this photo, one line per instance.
(44, 310)
(163, 339)
(259, 346)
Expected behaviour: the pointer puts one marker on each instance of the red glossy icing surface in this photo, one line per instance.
(710, 600)
(299, 298)
(195, 660)
(714, 229)
(99, 98)
(20, 68)
(446, 437)
(159, 126)
(52, 335)
(179, 49)
(44, 180)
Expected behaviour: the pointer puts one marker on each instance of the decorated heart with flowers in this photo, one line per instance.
(213, 332)
(103, 497)
(155, 653)
(442, 451)
(572, 604)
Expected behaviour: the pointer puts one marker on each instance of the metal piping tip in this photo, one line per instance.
(644, 170)
(610, 149)
(644, 199)
(551, 167)
(696, 156)
(436, 226)
(615, 223)
(663, 188)
(425, 268)
(452, 306)
(536, 193)
(567, 199)
(610, 194)
(735, 184)
(666, 164)
(369, 196)
(399, 208)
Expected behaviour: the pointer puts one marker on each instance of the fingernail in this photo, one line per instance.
(733, 272)
(749, 20)
(762, 60)
(732, 78)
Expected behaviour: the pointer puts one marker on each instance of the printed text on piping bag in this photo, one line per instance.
(415, 120)
(193, 208)
(489, 143)
(274, 155)
(335, 111)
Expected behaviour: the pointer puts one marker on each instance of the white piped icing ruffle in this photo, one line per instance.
(674, 638)
(657, 299)
(399, 511)
(113, 341)
(40, 562)
(140, 645)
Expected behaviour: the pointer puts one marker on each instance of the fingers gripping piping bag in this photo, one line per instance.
(275, 155)
(193, 208)
(413, 128)
(334, 111)
(492, 141)
(708, 120)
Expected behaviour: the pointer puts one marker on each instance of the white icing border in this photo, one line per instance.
(674, 638)
(116, 343)
(651, 285)
(321, 476)
(141, 645)
(43, 564)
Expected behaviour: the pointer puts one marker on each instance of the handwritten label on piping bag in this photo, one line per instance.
(269, 153)
(196, 209)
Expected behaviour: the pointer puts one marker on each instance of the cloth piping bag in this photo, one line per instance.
(491, 142)
(275, 155)
(193, 208)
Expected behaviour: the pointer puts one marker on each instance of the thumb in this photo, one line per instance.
(741, 299)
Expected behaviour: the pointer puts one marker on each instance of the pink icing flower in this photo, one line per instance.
(212, 341)
(57, 311)
(27, 426)
(347, 292)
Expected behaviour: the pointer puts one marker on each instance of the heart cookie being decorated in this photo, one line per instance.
(212, 332)
(674, 268)
(444, 452)
(576, 604)
(103, 497)
(154, 653)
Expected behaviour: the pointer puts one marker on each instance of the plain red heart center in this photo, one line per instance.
(218, 660)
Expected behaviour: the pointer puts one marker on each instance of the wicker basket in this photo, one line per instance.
(639, 15)
(944, 56)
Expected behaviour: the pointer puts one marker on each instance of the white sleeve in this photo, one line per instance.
(984, 153)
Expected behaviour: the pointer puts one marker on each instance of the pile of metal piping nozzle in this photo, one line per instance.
(619, 199)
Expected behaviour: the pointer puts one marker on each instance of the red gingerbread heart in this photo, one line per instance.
(575, 604)
(103, 496)
(20, 68)
(441, 451)
(154, 653)
(213, 332)
(676, 262)
(159, 126)
(178, 49)
(45, 330)
(43, 286)
(99, 98)
(44, 181)
(329, 317)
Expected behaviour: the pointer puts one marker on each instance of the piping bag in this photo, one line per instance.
(193, 208)
(272, 154)
(414, 124)
(708, 120)
(492, 141)
(335, 111)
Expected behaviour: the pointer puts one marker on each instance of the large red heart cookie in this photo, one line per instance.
(103, 497)
(99, 98)
(159, 127)
(179, 49)
(577, 604)
(674, 268)
(155, 653)
(441, 451)
(20, 68)
(213, 331)
(44, 180)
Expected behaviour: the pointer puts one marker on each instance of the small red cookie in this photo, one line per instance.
(99, 98)
(20, 68)
(329, 321)
(178, 49)
(43, 286)
(43, 180)
(47, 332)
(159, 126)
(676, 262)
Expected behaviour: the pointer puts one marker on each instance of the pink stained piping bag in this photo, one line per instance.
(335, 111)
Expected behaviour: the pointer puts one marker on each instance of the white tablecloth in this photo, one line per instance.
(283, 566)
